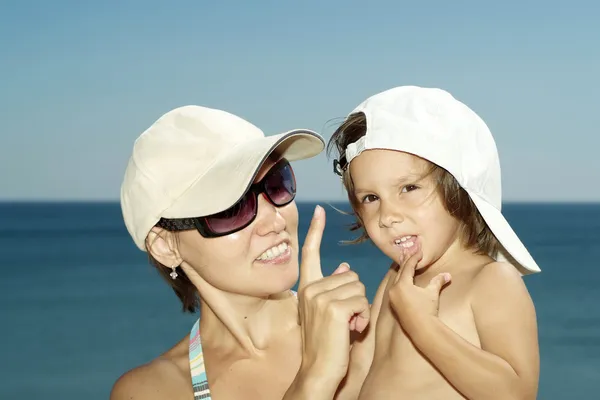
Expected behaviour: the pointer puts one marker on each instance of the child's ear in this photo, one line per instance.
(162, 246)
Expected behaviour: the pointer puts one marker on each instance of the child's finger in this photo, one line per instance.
(438, 281)
(353, 323)
(407, 271)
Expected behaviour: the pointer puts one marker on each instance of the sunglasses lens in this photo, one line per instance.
(280, 186)
(231, 219)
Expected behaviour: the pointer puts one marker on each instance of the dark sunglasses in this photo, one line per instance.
(279, 187)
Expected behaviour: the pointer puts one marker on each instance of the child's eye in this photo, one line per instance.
(368, 198)
(409, 188)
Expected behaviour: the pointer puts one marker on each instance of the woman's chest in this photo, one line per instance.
(266, 377)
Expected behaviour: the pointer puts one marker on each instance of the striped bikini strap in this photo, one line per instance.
(197, 367)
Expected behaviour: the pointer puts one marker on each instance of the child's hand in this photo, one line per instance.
(411, 302)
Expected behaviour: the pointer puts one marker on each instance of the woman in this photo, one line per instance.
(211, 199)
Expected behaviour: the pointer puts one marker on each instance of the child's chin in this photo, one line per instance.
(406, 253)
(400, 260)
(421, 265)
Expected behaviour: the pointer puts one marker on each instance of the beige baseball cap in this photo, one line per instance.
(196, 161)
(432, 124)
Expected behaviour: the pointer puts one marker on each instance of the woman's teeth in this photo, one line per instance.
(273, 252)
(405, 241)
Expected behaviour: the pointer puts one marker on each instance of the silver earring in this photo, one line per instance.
(173, 273)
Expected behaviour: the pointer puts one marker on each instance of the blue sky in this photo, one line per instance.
(81, 80)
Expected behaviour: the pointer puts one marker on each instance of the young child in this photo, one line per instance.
(423, 178)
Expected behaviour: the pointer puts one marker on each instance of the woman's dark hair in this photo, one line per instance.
(182, 286)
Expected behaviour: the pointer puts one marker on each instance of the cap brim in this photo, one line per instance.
(514, 250)
(232, 174)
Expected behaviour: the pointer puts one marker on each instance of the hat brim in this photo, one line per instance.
(232, 174)
(514, 251)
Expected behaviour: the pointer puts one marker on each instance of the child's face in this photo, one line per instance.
(400, 208)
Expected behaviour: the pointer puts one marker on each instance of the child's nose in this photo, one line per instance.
(389, 215)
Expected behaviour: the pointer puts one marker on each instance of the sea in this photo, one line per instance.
(80, 304)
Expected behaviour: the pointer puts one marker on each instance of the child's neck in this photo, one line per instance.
(455, 259)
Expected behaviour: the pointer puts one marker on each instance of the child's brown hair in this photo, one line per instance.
(475, 233)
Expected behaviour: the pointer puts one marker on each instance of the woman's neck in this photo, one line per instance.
(231, 321)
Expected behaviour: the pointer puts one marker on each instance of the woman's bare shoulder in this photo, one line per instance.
(166, 377)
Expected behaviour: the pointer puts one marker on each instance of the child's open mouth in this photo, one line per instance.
(405, 241)
(408, 245)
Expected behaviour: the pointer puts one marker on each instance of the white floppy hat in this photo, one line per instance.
(432, 124)
(196, 161)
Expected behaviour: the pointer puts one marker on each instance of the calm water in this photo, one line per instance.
(80, 305)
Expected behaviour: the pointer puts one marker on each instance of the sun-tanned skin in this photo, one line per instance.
(253, 344)
(454, 324)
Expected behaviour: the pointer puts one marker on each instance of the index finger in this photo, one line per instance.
(310, 267)
(407, 271)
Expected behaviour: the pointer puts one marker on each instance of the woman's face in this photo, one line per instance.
(259, 260)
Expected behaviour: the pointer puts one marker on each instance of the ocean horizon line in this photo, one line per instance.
(336, 202)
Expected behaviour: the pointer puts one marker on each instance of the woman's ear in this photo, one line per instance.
(162, 246)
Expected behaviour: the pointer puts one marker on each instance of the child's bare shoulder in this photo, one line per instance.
(497, 274)
(505, 318)
(499, 284)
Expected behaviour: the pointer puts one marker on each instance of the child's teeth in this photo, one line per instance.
(404, 241)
